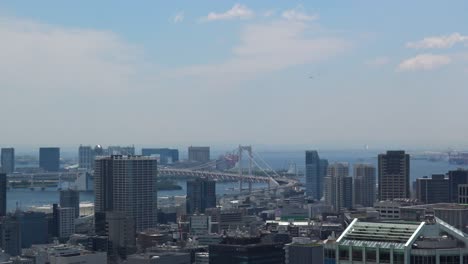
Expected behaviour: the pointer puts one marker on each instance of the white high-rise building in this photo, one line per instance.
(339, 186)
(66, 225)
(86, 157)
(127, 184)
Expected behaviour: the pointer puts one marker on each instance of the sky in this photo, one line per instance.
(163, 73)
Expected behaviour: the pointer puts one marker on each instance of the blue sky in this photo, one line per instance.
(307, 73)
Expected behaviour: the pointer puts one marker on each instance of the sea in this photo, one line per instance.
(278, 160)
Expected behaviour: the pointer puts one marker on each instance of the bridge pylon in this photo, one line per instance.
(248, 149)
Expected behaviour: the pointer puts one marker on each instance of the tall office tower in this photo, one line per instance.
(433, 190)
(394, 175)
(8, 160)
(166, 155)
(456, 178)
(86, 156)
(316, 170)
(199, 154)
(303, 250)
(10, 235)
(339, 187)
(49, 159)
(364, 185)
(127, 184)
(70, 198)
(201, 194)
(3, 194)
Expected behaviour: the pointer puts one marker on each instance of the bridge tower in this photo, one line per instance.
(248, 149)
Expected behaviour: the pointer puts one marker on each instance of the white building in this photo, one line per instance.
(66, 222)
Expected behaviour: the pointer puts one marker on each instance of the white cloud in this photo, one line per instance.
(43, 56)
(298, 14)
(179, 17)
(269, 47)
(424, 62)
(379, 61)
(438, 42)
(238, 11)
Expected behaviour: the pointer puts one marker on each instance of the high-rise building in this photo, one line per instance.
(49, 159)
(199, 154)
(201, 194)
(8, 160)
(127, 184)
(34, 228)
(339, 187)
(246, 251)
(70, 198)
(364, 185)
(86, 156)
(394, 175)
(456, 178)
(166, 155)
(10, 235)
(3, 194)
(65, 222)
(316, 170)
(303, 250)
(433, 190)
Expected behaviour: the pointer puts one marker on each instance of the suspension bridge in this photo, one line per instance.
(254, 162)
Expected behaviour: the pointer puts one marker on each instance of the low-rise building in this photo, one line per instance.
(429, 241)
(303, 250)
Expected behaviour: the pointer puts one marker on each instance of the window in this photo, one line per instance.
(357, 254)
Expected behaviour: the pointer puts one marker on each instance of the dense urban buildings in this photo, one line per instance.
(199, 154)
(364, 185)
(3, 194)
(7, 164)
(201, 194)
(433, 190)
(394, 175)
(70, 198)
(127, 184)
(49, 159)
(339, 187)
(166, 155)
(315, 172)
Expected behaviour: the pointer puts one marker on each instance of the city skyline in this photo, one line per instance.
(177, 65)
